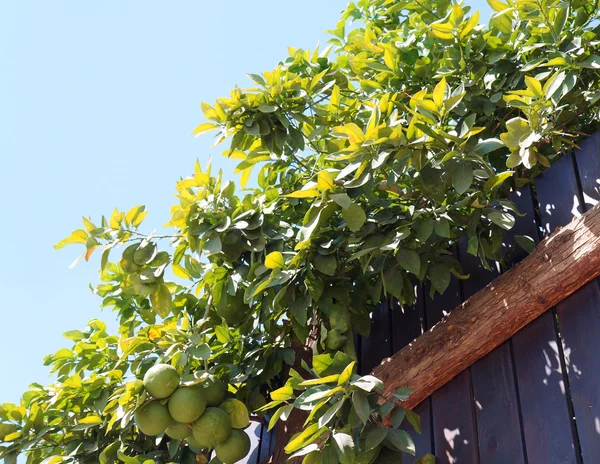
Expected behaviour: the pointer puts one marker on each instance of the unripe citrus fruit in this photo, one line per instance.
(161, 380)
(178, 431)
(153, 418)
(212, 428)
(191, 441)
(235, 448)
(214, 390)
(187, 404)
(237, 412)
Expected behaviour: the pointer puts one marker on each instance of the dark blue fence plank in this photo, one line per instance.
(494, 390)
(579, 319)
(407, 324)
(454, 425)
(544, 411)
(559, 201)
(378, 345)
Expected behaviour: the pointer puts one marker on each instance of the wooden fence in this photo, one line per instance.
(534, 399)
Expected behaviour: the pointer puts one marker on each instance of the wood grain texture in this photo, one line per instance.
(560, 265)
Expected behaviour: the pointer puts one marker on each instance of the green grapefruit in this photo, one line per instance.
(235, 448)
(153, 418)
(237, 412)
(214, 390)
(212, 428)
(192, 442)
(187, 404)
(161, 380)
(178, 431)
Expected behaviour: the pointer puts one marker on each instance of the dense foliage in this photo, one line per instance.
(368, 161)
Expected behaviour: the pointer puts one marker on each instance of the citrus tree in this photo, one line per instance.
(367, 161)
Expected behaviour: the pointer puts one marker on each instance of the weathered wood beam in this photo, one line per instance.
(560, 265)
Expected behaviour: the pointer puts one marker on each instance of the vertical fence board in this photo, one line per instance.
(454, 427)
(494, 391)
(579, 319)
(559, 200)
(378, 345)
(545, 415)
(407, 324)
(254, 432)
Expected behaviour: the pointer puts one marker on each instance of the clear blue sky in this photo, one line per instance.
(97, 100)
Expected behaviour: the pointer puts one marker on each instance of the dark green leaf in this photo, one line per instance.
(409, 260)
(440, 276)
(525, 242)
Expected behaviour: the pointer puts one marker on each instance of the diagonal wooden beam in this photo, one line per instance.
(560, 265)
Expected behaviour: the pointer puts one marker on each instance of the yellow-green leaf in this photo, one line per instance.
(91, 420)
(325, 181)
(346, 375)
(309, 193)
(282, 394)
(302, 439)
(321, 381)
(534, 85)
(78, 236)
(274, 260)
(352, 131)
(204, 128)
(439, 93)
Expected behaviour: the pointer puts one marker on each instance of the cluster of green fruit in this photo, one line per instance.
(198, 414)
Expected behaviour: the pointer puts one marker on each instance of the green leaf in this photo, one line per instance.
(424, 229)
(401, 441)
(361, 406)
(409, 260)
(462, 178)
(502, 219)
(144, 253)
(413, 419)
(161, 301)
(591, 62)
(267, 108)
(326, 264)
(282, 411)
(487, 146)
(440, 276)
(525, 242)
(200, 352)
(331, 412)
(397, 416)
(368, 383)
(354, 216)
(375, 437)
(402, 394)
(442, 227)
(344, 446)
(342, 200)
